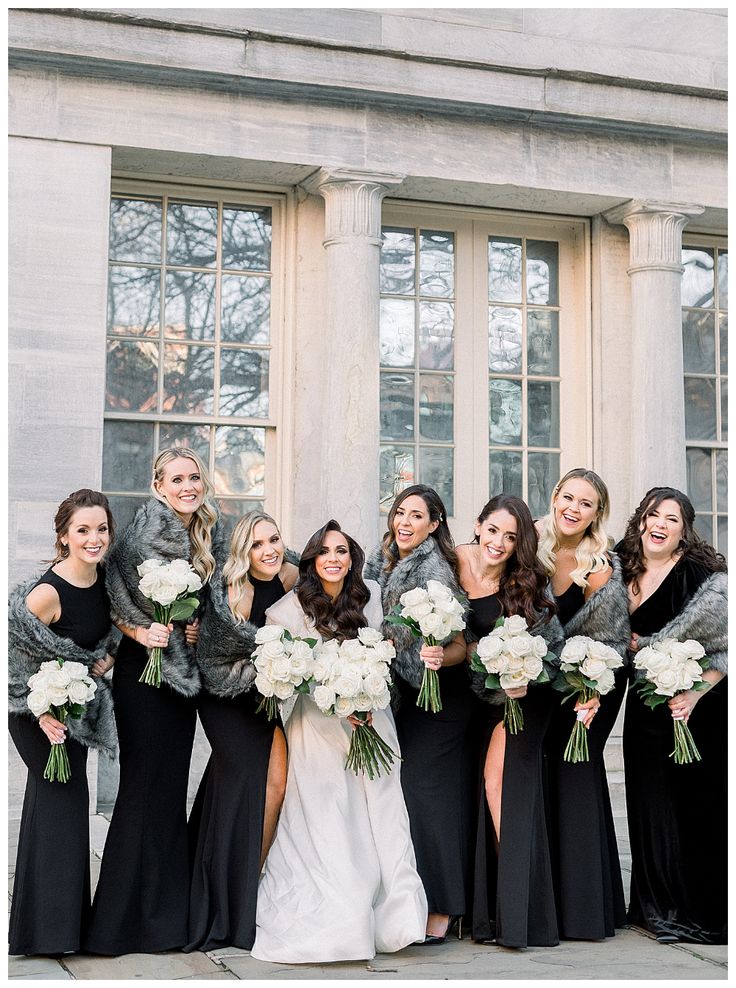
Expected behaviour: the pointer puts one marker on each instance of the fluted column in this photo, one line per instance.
(350, 344)
(657, 442)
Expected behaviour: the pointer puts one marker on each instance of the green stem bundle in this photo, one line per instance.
(57, 767)
(368, 751)
(685, 748)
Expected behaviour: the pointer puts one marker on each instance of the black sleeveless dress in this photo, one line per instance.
(51, 893)
(513, 896)
(587, 871)
(677, 813)
(226, 823)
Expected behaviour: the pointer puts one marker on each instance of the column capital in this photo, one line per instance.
(655, 232)
(352, 201)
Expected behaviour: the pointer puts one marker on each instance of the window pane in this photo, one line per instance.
(723, 534)
(397, 406)
(724, 409)
(703, 525)
(240, 461)
(504, 269)
(127, 455)
(543, 427)
(232, 510)
(721, 479)
(190, 305)
(505, 412)
(699, 479)
(436, 324)
(246, 238)
(542, 342)
(397, 261)
(189, 379)
(397, 332)
(723, 323)
(195, 437)
(542, 272)
(504, 340)
(246, 309)
(436, 263)
(435, 407)
(505, 473)
(244, 383)
(699, 342)
(123, 509)
(132, 376)
(697, 278)
(544, 471)
(133, 301)
(191, 235)
(435, 469)
(135, 230)
(396, 472)
(700, 408)
(722, 279)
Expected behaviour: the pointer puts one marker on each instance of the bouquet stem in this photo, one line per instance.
(513, 716)
(429, 691)
(685, 748)
(577, 746)
(57, 767)
(368, 751)
(270, 705)
(151, 675)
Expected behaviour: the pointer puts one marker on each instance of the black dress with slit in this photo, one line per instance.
(513, 893)
(587, 871)
(677, 813)
(51, 889)
(226, 822)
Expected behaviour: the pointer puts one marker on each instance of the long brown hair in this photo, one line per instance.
(342, 617)
(437, 513)
(83, 498)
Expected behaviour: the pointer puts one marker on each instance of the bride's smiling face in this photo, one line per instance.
(333, 563)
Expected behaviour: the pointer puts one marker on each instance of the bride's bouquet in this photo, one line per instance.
(284, 666)
(672, 667)
(586, 671)
(433, 615)
(62, 689)
(511, 658)
(170, 586)
(353, 678)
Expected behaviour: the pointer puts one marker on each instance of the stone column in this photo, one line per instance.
(349, 385)
(657, 440)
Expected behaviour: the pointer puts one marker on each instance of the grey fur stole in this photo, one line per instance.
(224, 648)
(155, 533)
(604, 617)
(703, 618)
(425, 563)
(31, 642)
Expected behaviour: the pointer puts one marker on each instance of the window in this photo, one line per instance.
(705, 356)
(189, 343)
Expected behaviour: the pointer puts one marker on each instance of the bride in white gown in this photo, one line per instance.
(340, 881)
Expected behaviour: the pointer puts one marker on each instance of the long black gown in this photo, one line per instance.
(677, 813)
(51, 892)
(226, 823)
(590, 893)
(513, 897)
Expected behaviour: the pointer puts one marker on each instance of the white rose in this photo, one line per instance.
(679, 652)
(495, 664)
(363, 702)
(382, 701)
(263, 666)
(149, 565)
(437, 590)
(81, 692)
(693, 670)
(298, 668)
(514, 625)
(413, 597)
(57, 695)
(324, 697)
(575, 649)
(432, 626)
(384, 651)
(417, 611)
(666, 682)
(369, 636)
(539, 646)
(268, 633)
(300, 649)
(322, 668)
(374, 684)
(264, 685)
(38, 702)
(606, 681)
(272, 649)
(694, 649)
(352, 649)
(344, 706)
(511, 680)
(598, 650)
(75, 670)
(532, 666)
(645, 656)
(283, 691)
(519, 645)
(280, 667)
(592, 668)
(489, 647)
(164, 592)
(514, 663)
(347, 683)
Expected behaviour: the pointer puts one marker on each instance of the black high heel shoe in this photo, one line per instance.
(431, 940)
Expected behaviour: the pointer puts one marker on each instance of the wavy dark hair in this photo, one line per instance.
(437, 512)
(523, 587)
(691, 545)
(340, 618)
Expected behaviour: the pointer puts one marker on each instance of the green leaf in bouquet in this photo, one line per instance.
(568, 696)
(310, 641)
(560, 682)
(493, 681)
(182, 609)
(590, 683)
(303, 687)
(75, 710)
(287, 636)
(499, 622)
(396, 619)
(702, 685)
(475, 663)
(544, 676)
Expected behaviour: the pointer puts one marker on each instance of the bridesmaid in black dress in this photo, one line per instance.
(513, 900)
(677, 813)
(237, 806)
(592, 601)
(65, 614)
(141, 903)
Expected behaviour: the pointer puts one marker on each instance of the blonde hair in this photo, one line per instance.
(203, 519)
(591, 552)
(236, 569)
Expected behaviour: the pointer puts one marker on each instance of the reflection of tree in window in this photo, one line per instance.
(192, 235)
(397, 262)
(135, 230)
(504, 269)
(244, 383)
(133, 301)
(190, 305)
(188, 378)
(504, 340)
(246, 239)
(132, 376)
(239, 461)
(505, 412)
(437, 263)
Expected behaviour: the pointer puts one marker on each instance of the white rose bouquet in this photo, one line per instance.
(433, 615)
(673, 667)
(586, 671)
(353, 678)
(284, 666)
(62, 689)
(170, 586)
(511, 657)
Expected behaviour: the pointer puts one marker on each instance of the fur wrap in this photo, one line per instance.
(31, 642)
(604, 616)
(155, 533)
(425, 563)
(703, 618)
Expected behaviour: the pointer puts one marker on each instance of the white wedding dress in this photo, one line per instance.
(340, 881)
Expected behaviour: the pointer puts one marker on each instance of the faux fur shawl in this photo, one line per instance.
(425, 563)
(156, 532)
(31, 642)
(605, 614)
(703, 618)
